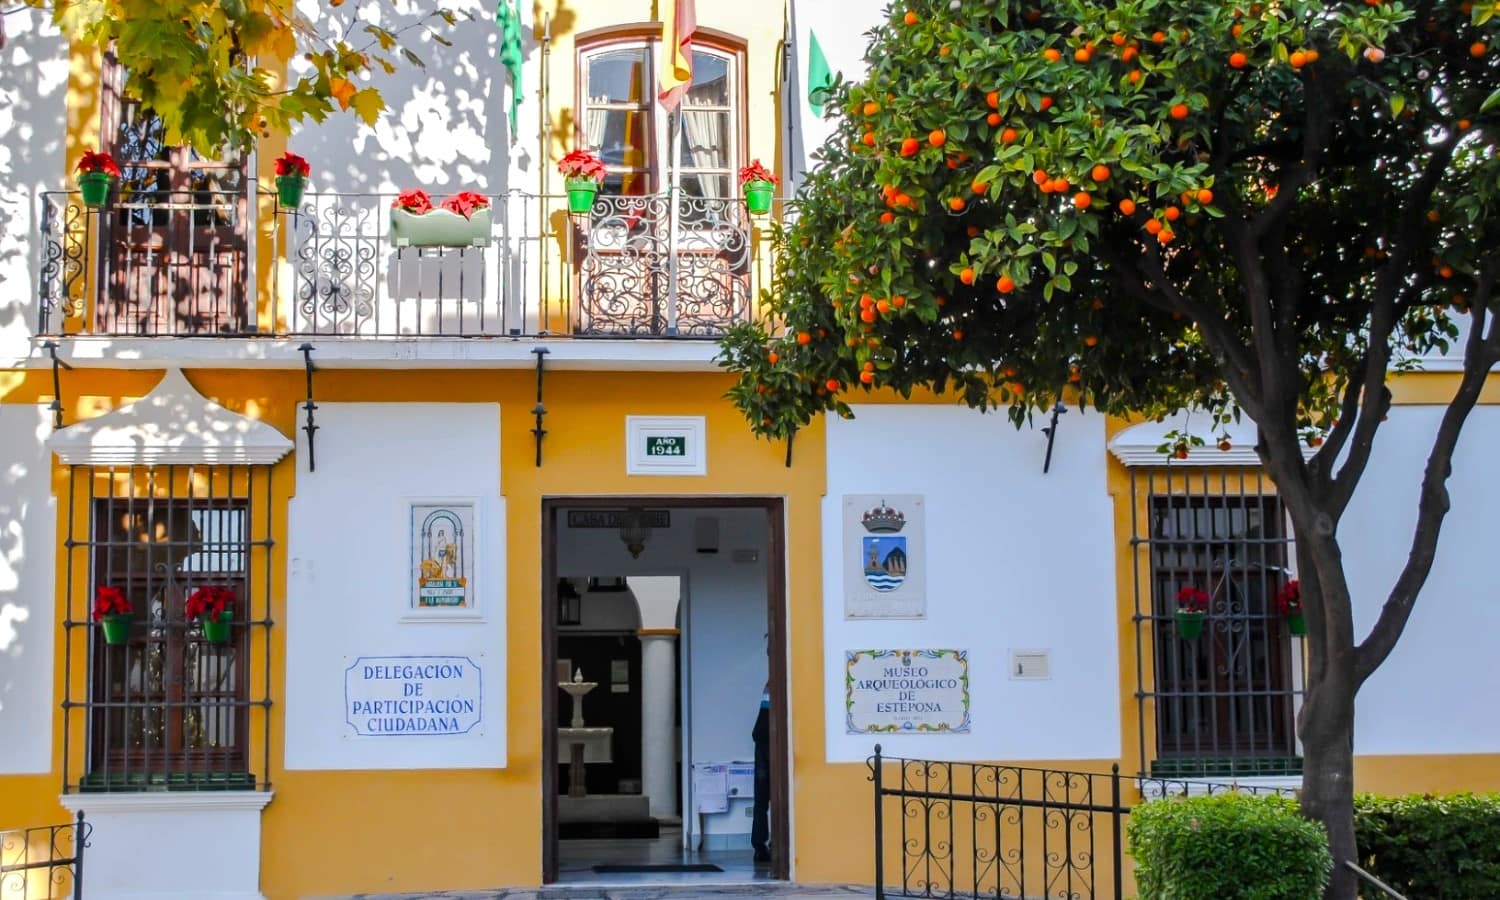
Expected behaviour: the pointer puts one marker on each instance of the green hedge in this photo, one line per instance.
(1228, 847)
(1436, 848)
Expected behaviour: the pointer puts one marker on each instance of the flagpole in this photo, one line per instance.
(673, 189)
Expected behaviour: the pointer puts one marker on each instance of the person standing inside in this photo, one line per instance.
(760, 828)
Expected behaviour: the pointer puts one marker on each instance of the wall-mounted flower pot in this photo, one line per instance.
(440, 228)
(581, 193)
(1297, 624)
(116, 629)
(289, 190)
(95, 188)
(758, 196)
(1190, 624)
(216, 631)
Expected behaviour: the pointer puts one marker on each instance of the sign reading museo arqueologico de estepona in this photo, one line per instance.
(412, 695)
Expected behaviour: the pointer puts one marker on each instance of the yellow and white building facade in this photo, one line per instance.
(422, 473)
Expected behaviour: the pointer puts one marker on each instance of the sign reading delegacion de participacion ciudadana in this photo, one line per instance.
(906, 691)
(413, 695)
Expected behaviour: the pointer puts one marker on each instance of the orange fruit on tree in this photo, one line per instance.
(1082, 54)
(966, 276)
(1446, 271)
(1135, 76)
(944, 50)
(909, 146)
(1205, 196)
(1128, 54)
(938, 137)
(1039, 176)
(1374, 54)
(866, 301)
(833, 385)
(898, 301)
(1179, 111)
(993, 119)
(1165, 236)
(1159, 37)
(958, 334)
(1061, 185)
(972, 231)
(869, 139)
(1477, 49)
(1127, 206)
(992, 99)
(871, 107)
(1100, 173)
(1172, 213)
(1117, 39)
(1312, 56)
(1046, 104)
(1463, 124)
(1154, 226)
(1051, 54)
(804, 338)
(1433, 216)
(1298, 59)
(1090, 341)
(1008, 136)
(1237, 60)
(910, 18)
(956, 204)
(1005, 284)
(773, 357)
(882, 305)
(867, 315)
(868, 367)
(979, 187)
(867, 377)
(887, 218)
(1082, 200)
(1237, 30)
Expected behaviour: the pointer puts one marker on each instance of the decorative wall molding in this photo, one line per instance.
(172, 425)
(167, 801)
(682, 443)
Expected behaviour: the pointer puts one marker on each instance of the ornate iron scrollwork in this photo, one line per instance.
(337, 266)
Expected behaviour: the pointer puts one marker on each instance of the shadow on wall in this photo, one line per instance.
(26, 607)
(33, 85)
(446, 126)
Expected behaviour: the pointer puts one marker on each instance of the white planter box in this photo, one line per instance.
(440, 228)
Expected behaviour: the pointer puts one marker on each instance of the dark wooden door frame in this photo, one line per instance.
(776, 615)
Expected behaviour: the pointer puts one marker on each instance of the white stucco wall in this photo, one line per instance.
(349, 584)
(842, 29)
(28, 619)
(33, 81)
(1016, 560)
(1436, 693)
(445, 128)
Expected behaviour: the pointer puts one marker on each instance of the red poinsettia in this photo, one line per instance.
(465, 203)
(211, 602)
(581, 164)
(97, 162)
(1289, 599)
(111, 601)
(413, 200)
(1191, 599)
(757, 172)
(292, 164)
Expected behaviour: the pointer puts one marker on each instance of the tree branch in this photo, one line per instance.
(1480, 355)
(1388, 285)
(1322, 462)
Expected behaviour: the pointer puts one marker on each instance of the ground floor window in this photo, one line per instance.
(1222, 701)
(167, 578)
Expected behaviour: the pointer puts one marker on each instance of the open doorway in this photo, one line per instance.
(665, 740)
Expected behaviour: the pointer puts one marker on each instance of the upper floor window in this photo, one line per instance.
(624, 124)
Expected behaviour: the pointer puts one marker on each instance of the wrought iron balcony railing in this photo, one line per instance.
(204, 263)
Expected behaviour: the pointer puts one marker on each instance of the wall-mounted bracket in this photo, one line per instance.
(57, 407)
(312, 459)
(1051, 432)
(789, 438)
(539, 410)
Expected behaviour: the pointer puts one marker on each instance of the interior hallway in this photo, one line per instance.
(578, 862)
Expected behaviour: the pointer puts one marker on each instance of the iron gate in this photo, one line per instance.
(46, 861)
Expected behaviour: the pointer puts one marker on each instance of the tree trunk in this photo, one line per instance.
(1327, 728)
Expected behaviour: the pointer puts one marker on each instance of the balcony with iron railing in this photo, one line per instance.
(228, 265)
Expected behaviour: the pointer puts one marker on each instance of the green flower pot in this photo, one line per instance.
(758, 196)
(116, 629)
(440, 228)
(216, 632)
(1297, 624)
(581, 193)
(1190, 624)
(289, 190)
(95, 188)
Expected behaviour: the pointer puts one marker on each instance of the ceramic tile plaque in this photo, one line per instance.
(906, 691)
(884, 550)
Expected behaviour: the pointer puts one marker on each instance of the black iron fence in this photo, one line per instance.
(957, 829)
(44, 862)
(206, 263)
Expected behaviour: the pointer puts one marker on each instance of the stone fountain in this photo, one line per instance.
(584, 744)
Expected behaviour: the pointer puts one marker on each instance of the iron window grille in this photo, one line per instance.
(1223, 703)
(168, 708)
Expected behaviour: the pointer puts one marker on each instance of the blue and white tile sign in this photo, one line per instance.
(386, 696)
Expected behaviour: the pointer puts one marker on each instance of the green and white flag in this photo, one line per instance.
(508, 19)
(819, 79)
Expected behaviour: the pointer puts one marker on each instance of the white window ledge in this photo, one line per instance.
(166, 801)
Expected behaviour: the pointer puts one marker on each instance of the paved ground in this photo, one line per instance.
(641, 892)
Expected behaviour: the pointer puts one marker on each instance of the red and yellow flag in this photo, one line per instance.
(677, 60)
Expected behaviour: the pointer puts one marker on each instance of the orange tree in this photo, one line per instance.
(1152, 205)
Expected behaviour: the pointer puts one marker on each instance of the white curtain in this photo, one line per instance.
(703, 131)
(593, 123)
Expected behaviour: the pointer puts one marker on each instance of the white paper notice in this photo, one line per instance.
(711, 788)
